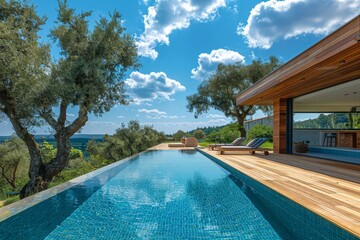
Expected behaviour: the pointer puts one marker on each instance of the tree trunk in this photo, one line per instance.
(36, 170)
(242, 130)
(62, 155)
(42, 174)
(241, 119)
(36, 163)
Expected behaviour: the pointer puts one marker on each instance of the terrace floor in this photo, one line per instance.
(330, 189)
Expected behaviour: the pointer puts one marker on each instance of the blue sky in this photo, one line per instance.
(180, 43)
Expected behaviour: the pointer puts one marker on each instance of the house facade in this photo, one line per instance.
(324, 79)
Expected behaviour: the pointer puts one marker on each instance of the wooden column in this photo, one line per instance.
(280, 125)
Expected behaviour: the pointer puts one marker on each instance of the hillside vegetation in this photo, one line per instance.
(15, 159)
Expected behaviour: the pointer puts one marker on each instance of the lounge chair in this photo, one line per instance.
(236, 142)
(252, 146)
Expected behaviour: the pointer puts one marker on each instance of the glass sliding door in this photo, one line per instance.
(328, 119)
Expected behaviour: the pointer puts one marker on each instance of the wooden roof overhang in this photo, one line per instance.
(333, 60)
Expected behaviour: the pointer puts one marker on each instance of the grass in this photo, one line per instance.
(268, 145)
(203, 144)
(9, 201)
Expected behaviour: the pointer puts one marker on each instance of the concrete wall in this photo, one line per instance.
(315, 137)
(268, 121)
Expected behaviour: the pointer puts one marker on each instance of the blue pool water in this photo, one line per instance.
(157, 195)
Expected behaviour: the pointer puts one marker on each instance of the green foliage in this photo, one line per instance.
(206, 130)
(14, 162)
(98, 161)
(93, 63)
(199, 134)
(226, 134)
(331, 121)
(204, 144)
(14, 165)
(268, 145)
(88, 76)
(127, 140)
(179, 135)
(48, 151)
(23, 60)
(76, 167)
(76, 153)
(261, 131)
(10, 200)
(219, 91)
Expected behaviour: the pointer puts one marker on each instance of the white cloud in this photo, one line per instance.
(70, 115)
(173, 126)
(273, 20)
(154, 111)
(148, 87)
(169, 15)
(215, 116)
(120, 117)
(209, 62)
(253, 56)
(100, 127)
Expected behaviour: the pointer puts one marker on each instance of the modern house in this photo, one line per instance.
(323, 79)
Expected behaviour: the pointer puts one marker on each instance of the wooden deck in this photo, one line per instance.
(330, 189)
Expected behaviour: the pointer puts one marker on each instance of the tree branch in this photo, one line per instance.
(79, 122)
(48, 117)
(250, 107)
(62, 116)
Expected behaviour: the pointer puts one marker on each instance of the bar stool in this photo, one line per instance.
(329, 139)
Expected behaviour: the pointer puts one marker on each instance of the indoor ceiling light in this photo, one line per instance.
(357, 38)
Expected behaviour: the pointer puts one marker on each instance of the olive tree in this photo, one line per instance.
(87, 77)
(219, 91)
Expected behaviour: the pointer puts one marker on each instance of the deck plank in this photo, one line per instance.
(330, 189)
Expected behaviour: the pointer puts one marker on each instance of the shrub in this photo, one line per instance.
(199, 134)
(10, 200)
(226, 134)
(260, 131)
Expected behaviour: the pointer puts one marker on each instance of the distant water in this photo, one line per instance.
(49, 136)
(78, 141)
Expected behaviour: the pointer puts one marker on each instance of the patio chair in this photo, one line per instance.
(236, 142)
(251, 147)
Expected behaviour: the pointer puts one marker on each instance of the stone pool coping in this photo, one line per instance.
(23, 204)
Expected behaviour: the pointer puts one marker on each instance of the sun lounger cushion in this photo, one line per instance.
(236, 142)
(252, 146)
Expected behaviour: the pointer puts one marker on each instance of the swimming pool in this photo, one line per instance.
(163, 195)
